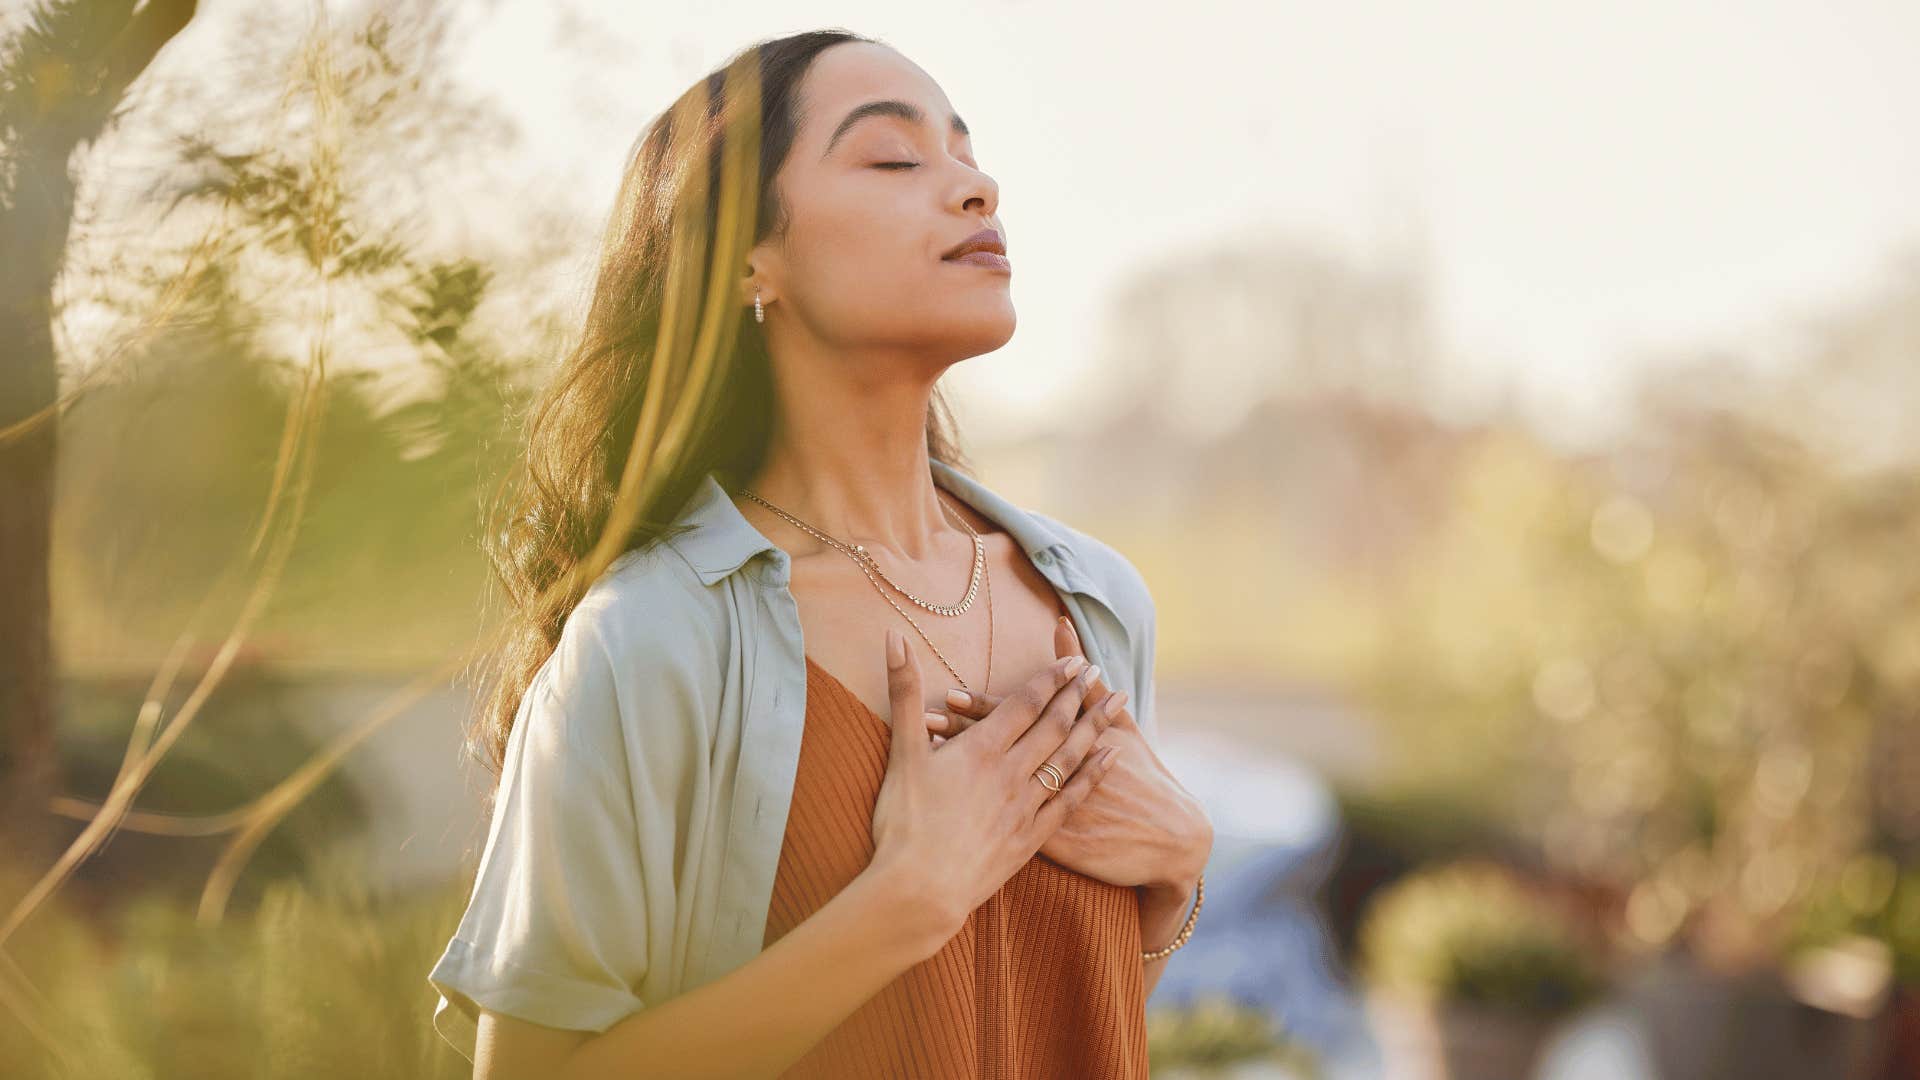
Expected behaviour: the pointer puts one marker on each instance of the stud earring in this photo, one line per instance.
(758, 314)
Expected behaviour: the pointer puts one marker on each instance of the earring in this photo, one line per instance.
(758, 314)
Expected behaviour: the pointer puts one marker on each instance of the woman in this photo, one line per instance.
(740, 828)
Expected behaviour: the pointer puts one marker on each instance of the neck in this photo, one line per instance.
(850, 459)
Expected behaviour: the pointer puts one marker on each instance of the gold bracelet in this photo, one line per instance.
(1199, 897)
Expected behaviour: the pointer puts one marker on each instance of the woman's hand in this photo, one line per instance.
(953, 822)
(1139, 826)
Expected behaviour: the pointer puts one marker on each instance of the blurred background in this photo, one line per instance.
(1512, 408)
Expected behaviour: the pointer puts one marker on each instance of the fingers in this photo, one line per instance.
(1065, 641)
(906, 706)
(968, 707)
(965, 708)
(1021, 708)
(1072, 754)
(975, 705)
(1081, 784)
(1055, 723)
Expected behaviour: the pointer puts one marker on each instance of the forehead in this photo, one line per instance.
(847, 75)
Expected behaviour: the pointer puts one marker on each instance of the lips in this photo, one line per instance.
(987, 240)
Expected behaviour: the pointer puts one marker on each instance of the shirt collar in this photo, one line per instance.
(722, 540)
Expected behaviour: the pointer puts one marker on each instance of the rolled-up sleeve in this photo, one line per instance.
(554, 931)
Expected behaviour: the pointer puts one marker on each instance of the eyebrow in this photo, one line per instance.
(904, 110)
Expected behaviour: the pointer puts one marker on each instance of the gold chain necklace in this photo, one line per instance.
(868, 566)
(860, 554)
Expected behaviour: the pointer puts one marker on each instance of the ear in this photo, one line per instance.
(751, 281)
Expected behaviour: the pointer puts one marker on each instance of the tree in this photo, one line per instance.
(62, 79)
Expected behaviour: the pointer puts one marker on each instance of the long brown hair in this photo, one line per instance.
(669, 380)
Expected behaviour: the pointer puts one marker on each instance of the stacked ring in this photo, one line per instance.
(1059, 778)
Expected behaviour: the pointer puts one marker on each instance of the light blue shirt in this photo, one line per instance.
(644, 789)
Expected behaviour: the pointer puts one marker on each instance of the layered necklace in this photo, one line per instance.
(871, 568)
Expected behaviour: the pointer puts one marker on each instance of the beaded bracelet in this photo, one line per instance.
(1199, 897)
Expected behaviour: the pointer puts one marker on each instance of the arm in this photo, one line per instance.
(1164, 905)
(754, 1021)
(1163, 911)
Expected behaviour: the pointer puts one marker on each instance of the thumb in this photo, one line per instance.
(904, 699)
(1065, 641)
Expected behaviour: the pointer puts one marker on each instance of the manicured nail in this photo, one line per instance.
(959, 699)
(936, 719)
(1091, 672)
(1111, 707)
(896, 648)
(1106, 759)
(1072, 665)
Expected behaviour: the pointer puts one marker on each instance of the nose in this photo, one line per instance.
(979, 192)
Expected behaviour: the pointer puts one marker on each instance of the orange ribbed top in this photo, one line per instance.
(1044, 980)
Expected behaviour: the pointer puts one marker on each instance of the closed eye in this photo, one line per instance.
(898, 165)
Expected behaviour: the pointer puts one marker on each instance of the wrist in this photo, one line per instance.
(1162, 902)
(922, 923)
(1166, 918)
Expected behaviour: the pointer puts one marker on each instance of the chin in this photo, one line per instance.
(986, 335)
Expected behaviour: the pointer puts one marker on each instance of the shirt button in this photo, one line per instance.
(1044, 558)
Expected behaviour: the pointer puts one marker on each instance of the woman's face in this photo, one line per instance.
(872, 206)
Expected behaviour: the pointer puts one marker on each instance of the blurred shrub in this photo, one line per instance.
(1214, 1034)
(1388, 832)
(1872, 897)
(242, 742)
(1470, 931)
(325, 978)
(1686, 667)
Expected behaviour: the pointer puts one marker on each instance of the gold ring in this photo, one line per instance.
(1059, 778)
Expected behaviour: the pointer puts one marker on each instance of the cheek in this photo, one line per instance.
(869, 242)
(850, 259)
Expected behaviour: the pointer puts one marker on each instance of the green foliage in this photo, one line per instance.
(313, 332)
(1873, 897)
(1421, 824)
(386, 571)
(1683, 667)
(325, 978)
(1469, 931)
(1216, 1033)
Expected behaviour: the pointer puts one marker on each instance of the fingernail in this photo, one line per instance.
(936, 718)
(896, 648)
(959, 699)
(1111, 707)
(1072, 665)
(1106, 759)
(1070, 629)
(1091, 673)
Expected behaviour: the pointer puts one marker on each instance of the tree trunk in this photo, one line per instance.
(66, 93)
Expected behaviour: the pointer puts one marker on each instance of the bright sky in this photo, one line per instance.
(1584, 180)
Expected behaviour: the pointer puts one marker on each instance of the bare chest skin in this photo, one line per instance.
(844, 619)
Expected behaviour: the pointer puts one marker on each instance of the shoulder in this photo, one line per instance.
(1110, 570)
(648, 600)
(645, 642)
